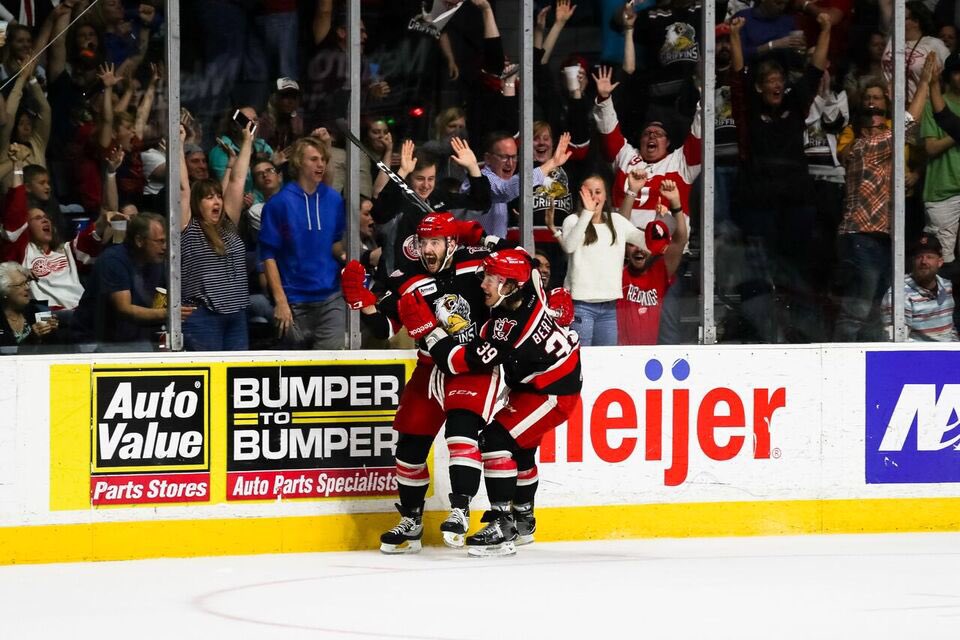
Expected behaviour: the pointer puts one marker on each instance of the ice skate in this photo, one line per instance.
(405, 537)
(526, 523)
(495, 539)
(454, 528)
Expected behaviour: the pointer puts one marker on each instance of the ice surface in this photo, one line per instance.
(902, 586)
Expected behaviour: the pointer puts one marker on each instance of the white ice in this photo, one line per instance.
(904, 586)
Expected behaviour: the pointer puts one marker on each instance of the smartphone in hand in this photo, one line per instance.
(242, 120)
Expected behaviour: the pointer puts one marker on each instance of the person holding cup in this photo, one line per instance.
(22, 321)
(31, 238)
(768, 28)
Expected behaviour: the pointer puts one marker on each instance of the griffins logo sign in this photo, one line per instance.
(913, 417)
(453, 314)
(150, 436)
(312, 431)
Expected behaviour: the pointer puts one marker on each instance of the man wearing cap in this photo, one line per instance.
(649, 272)
(928, 298)
(941, 189)
(283, 121)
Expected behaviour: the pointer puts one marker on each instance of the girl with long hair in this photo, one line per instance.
(214, 257)
(595, 241)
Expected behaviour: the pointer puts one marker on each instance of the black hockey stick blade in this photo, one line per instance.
(409, 193)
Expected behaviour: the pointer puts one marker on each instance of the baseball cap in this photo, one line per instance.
(927, 243)
(657, 236)
(287, 84)
(722, 30)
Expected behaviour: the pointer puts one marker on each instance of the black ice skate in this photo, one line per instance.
(526, 523)
(495, 539)
(454, 528)
(405, 537)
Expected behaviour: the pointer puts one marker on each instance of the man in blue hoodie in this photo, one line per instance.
(299, 228)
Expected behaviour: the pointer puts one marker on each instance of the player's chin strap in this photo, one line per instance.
(503, 297)
(537, 280)
(451, 248)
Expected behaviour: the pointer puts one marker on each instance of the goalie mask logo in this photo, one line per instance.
(502, 328)
(453, 313)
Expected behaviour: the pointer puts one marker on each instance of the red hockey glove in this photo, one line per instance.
(354, 291)
(469, 232)
(416, 315)
(560, 301)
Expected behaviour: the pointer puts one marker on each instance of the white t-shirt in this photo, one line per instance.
(915, 55)
(57, 280)
(595, 270)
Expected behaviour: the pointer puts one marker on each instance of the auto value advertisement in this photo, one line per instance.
(150, 438)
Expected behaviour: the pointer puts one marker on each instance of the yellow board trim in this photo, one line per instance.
(348, 532)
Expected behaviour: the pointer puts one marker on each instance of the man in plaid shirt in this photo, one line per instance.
(863, 272)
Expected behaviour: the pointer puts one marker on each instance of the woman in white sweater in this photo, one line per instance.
(595, 241)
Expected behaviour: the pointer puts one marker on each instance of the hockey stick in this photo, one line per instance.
(410, 194)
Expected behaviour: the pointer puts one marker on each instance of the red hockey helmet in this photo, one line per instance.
(510, 264)
(438, 224)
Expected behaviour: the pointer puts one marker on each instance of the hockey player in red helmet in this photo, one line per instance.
(437, 239)
(541, 365)
(444, 279)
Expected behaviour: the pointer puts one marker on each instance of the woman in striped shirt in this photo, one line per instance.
(213, 265)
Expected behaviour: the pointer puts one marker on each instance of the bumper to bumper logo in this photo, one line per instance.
(312, 431)
(149, 441)
(913, 417)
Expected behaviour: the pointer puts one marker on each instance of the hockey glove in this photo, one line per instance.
(416, 315)
(469, 233)
(354, 292)
(561, 303)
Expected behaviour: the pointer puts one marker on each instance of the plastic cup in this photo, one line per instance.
(160, 298)
(572, 77)
(798, 33)
(119, 226)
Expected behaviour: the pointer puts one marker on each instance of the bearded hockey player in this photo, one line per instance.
(445, 277)
(541, 364)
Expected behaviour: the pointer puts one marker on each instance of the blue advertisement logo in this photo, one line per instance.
(913, 417)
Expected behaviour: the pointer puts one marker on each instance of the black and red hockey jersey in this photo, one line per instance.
(453, 292)
(537, 354)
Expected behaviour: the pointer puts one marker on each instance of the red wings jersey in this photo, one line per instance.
(638, 311)
(537, 354)
(454, 293)
(682, 165)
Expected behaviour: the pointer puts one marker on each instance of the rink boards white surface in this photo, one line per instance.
(824, 587)
(670, 442)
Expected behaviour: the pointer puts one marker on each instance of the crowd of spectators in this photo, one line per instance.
(803, 181)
